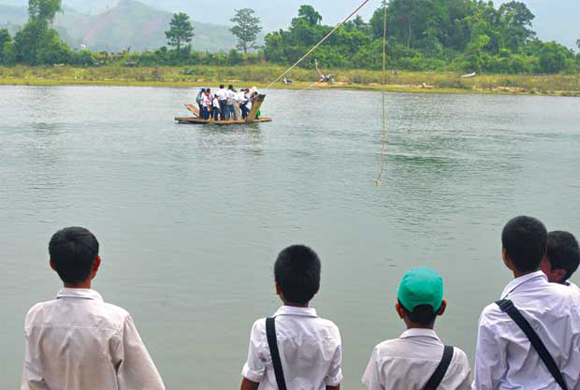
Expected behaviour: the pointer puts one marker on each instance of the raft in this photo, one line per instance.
(252, 116)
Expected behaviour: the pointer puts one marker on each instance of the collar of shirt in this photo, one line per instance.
(416, 332)
(296, 311)
(80, 293)
(533, 279)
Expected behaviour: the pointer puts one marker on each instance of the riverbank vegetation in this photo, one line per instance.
(261, 75)
(423, 35)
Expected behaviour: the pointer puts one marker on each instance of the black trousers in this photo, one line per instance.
(223, 108)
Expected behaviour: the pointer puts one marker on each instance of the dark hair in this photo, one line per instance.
(202, 90)
(563, 252)
(421, 314)
(73, 251)
(221, 85)
(297, 272)
(524, 239)
(230, 86)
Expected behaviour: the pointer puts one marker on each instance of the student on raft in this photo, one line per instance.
(243, 100)
(223, 101)
(206, 102)
(562, 258)
(231, 97)
(309, 347)
(506, 356)
(78, 341)
(216, 108)
(416, 360)
(199, 101)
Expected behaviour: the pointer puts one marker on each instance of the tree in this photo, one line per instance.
(43, 11)
(180, 31)
(246, 29)
(6, 47)
(309, 14)
(578, 43)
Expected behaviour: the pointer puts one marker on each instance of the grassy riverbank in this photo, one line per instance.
(260, 75)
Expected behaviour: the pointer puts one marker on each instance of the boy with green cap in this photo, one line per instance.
(418, 359)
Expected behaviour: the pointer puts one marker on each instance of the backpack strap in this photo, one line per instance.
(273, 345)
(508, 307)
(441, 369)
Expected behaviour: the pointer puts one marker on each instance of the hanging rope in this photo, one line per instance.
(320, 42)
(384, 138)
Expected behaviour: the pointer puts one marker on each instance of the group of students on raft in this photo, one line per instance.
(225, 104)
(79, 342)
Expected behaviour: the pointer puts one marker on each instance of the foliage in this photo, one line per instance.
(180, 31)
(246, 29)
(464, 35)
(423, 35)
(6, 48)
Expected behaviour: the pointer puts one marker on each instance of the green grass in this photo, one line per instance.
(262, 75)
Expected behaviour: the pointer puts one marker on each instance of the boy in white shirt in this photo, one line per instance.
(79, 342)
(562, 258)
(505, 357)
(310, 350)
(418, 359)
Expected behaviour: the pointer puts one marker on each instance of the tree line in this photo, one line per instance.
(463, 35)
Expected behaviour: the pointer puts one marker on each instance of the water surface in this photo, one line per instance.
(190, 219)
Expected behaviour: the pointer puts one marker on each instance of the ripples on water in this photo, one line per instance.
(190, 219)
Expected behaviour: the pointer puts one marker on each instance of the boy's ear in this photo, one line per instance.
(278, 289)
(506, 259)
(443, 307)
(96, 265)
(51, 265)
(400, 310)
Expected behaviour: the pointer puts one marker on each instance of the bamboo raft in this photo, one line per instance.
(251, 118)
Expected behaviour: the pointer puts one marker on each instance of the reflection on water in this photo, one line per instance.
(190, 218)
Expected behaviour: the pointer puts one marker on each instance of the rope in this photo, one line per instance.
(320, 42)
(384, 138)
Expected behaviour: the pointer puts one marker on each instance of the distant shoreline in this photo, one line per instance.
(198, 76)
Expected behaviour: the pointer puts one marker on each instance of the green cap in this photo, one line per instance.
(421, 286)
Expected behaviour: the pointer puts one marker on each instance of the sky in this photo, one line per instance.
(555, 19)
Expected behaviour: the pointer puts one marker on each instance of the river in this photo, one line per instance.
(190, 219)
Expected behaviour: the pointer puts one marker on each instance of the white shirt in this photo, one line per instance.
(310, 349)
(231, 97)
(222, 94)
(573, 286)
(409, 362)
(241, 97)
(216, 102)
(505, 358)
(80, 342)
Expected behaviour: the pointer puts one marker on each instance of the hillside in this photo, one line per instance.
(129, 24)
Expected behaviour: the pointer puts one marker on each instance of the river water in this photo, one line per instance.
(190, 219)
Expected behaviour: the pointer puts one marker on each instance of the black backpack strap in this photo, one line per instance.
(441, 369)
(273, 345)
(508, 307)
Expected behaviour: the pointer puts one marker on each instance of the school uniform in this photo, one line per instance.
(505, 358)
(573, 286)
(310, 350)
(409, 361)
(230, 112)
(79, 342)
(223, 102)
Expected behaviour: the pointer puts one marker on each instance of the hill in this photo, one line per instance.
(129, 24)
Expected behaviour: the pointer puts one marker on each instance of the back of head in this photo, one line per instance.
(420, 294)
(524, 240)
(230, 87)
(221, 86)
(73, 251)
(297, 273)
(563, 252)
